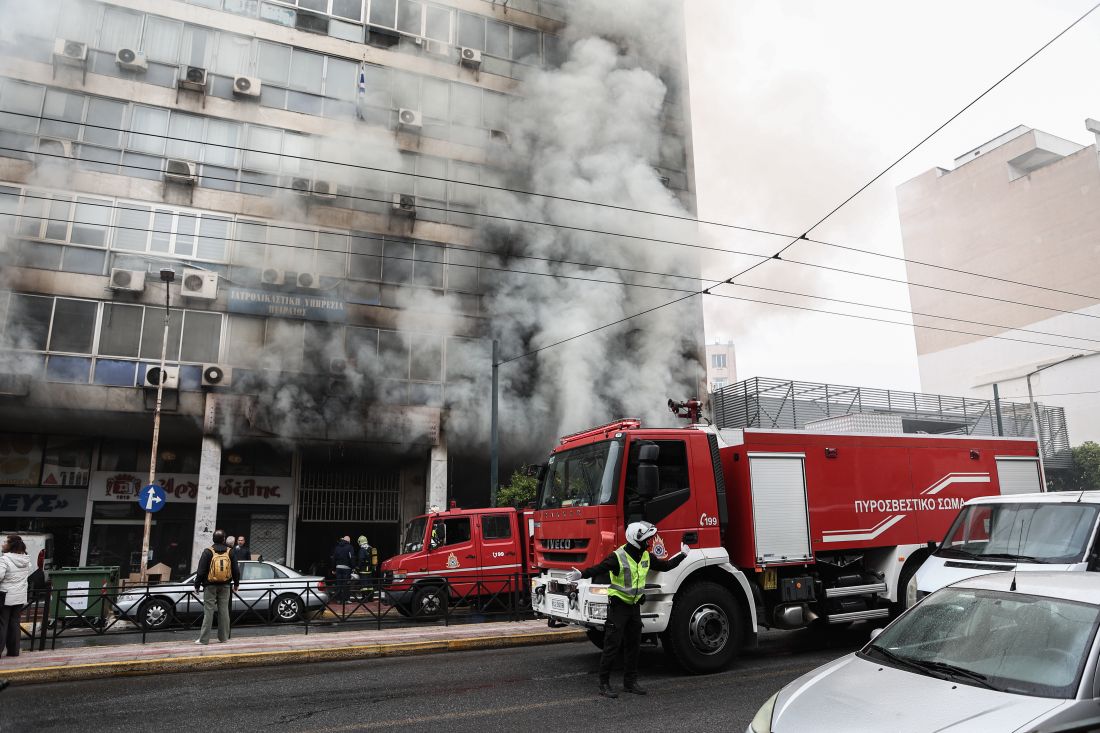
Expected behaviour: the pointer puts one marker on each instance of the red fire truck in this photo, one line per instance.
(460, 555)
(786, 529)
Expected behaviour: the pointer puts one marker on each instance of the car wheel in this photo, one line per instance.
(287, 607)
(595, 636)
(155, 614)
(429, 602)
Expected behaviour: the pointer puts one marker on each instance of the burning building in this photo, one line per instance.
(349, 197)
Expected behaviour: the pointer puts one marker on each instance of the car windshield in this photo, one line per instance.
(1041, 533)
(582, 476)
(414, 535)
(1013, 642)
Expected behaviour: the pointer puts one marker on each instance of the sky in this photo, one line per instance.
(796, 104)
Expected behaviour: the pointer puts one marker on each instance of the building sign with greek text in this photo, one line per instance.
(286, 305)
(124, 486)
(36, 502)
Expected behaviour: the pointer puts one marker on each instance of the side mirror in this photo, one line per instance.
(875, 633)
(649, 476)
(933, 545)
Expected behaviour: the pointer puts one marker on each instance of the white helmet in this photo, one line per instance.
(638, 532)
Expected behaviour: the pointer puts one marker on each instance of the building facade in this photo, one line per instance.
(309, 171)
(1024, 208)
(721, 365)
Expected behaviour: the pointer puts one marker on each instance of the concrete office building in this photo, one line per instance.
(304, 168)
(1024, 207)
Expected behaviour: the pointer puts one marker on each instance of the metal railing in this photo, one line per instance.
(145, 611)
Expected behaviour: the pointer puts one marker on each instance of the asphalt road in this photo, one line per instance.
(532, 688)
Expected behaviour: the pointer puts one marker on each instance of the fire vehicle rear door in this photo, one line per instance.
(780, 518)
(500, 556)
(1018, 475)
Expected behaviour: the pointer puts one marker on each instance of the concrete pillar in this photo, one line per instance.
(437, 476)
(210, 469)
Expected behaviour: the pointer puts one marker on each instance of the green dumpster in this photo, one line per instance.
(79, 592)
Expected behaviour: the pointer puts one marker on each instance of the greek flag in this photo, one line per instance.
(362, 81)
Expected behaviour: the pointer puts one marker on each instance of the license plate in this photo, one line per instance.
(558, 603)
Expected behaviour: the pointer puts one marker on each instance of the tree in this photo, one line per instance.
(1085, 472)
(520, 491)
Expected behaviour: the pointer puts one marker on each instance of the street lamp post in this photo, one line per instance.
(167, 276)
(1035, 413)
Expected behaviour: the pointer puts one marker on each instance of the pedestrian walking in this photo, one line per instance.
(343, 560)
(628, 567)
(241, 551)
(218, 576)
(15, 570)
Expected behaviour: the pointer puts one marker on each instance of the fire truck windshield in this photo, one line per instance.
(583, 476)
(1024, 532)
(414, 535)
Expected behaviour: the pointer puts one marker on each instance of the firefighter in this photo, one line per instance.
(628, 567)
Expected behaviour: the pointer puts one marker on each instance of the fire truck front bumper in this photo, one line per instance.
(577, 603)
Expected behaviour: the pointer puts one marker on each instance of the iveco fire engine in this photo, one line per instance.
(786, 528)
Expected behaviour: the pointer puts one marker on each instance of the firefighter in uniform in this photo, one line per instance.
(628, 566)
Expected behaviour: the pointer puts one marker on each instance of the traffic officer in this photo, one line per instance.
(628, 567)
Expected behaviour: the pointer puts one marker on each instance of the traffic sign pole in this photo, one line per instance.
(156, 427)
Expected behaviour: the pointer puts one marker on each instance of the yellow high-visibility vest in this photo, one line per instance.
(628, 585)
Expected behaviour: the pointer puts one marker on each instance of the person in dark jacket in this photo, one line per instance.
(241, 551)
(343, 560)
(629, 567)
(216, 591)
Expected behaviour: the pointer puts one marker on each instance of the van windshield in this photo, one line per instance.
(1025, 532)
(414, 535)
(583, 476)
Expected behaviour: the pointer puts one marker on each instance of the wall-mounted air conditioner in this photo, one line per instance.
(324, 189)
(300, 185)
(272, 276)
(404, 204)
(410, 119)
(337, 366)
(151, 377)
(247, 86)
(470, 57)
(70, 53)
(132, 281)
(131, 60)
(215, 375)
(199, 284)
(192, 78)
(309, 280)
(180, 171)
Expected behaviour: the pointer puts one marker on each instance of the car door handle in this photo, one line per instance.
(471, 557)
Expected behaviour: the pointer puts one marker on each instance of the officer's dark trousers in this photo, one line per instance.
(622, 632)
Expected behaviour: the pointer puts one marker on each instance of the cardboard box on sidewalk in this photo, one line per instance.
(160, 573)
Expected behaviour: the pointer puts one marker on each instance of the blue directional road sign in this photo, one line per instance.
(151, 498)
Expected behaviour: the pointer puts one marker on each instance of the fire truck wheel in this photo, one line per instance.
(595, 636)
(430, 602)
(705, 628)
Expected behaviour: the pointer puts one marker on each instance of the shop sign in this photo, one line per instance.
(286, 305)
(184, 487)
(23, 502)
(20, 459)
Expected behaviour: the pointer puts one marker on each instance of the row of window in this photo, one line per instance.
(68, 330)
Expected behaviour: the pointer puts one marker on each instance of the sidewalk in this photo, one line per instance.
(186, 656)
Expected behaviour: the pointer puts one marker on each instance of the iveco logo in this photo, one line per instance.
(558, 544)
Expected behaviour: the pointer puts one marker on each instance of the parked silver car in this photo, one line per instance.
(266, 588)
(1004, 652)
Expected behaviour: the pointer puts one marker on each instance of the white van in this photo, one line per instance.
(1024, 532)
(39, 549)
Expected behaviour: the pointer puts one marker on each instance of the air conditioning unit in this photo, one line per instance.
(470, 57)
(200, 284)
(246, 86)
(300, 185)
(72, 53)
(14, 385)
(55, 147)
(309, 280)
(337, 366)
(132, 281)
(193, 78)
(271, 276)
(215, 375)
(410, 119)
(404, 204)
(498, 135)
(131, 60)
(324, 189)
(180, 171)
(151, 377)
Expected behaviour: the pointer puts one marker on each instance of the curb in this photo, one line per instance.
(128, 668)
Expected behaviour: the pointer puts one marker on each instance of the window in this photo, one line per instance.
(73, 326)
(427, 357)
(718, 361)
(28, 321)
(451, 532)
(471, 31)
(393, 354)
(257, 571)
(120, 329)
(496, 527)
(672, 463)
(66, 461)
(383, 13)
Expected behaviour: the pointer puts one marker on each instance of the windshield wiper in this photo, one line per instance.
(1010, 556)
(904, 661)
(958, 671)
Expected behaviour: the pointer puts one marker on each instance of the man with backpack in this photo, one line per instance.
(218, 576)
